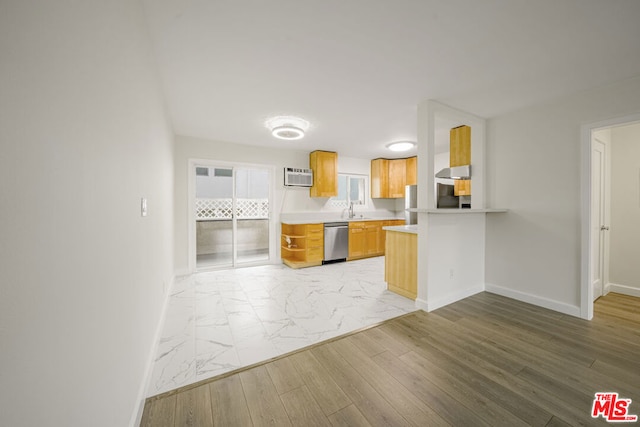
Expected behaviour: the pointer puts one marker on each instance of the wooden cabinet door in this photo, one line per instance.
(462, 187)
(325, 173)
(356, 240)
(460, 146)
(401, 264)
(382, 237)
(379, 178)
(389, 177)
(412, 171)
(315, 242)
(460, 155)
(373, 230)
(397, 177)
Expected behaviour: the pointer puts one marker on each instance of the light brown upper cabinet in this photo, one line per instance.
(462, 187)
(460, 155)
(397, 177)
(412, 171)
(460, 146)
(325, 173)
(379, 178)
(389, 177)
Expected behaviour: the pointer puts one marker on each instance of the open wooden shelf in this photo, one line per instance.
(287, 248)
(307, 244)
(300, 264)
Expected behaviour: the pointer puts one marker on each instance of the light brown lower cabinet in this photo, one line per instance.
(356, 240)
(372, 232)
(367, 238)
(302, 245)
(401, 263)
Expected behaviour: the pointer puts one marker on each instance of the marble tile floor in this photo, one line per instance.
(220, 321)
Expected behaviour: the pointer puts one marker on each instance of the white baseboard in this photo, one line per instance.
(571, 310)
(136, 417)
(447, 299)
(622, 289)
(422, 304)
(181, 272)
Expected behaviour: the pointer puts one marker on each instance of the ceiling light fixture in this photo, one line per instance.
(401, 145)
(287, 132)
(287, 127)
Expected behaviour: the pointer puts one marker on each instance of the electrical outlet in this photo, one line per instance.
(143, 207)
(451, 273)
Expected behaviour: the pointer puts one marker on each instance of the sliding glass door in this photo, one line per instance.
(231, 215)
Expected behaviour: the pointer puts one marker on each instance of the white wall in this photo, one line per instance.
(83, 137)
(624, 236)
(455, 260)
(288, 200)
(533, 252)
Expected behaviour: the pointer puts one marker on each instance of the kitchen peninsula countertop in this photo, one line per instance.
(458, 211)
(412, 229)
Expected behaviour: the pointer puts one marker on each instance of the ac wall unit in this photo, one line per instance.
(296, 177)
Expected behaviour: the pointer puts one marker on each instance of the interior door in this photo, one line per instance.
(598, 220)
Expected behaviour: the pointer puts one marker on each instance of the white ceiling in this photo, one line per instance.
(357, 69)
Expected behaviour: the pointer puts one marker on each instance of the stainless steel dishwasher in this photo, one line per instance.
(336, 241)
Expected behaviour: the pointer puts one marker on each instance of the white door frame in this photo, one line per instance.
(586, 289)
(603, 213)
(191, 189)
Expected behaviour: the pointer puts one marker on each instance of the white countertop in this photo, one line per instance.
(459, 211)
(324, 220)
(411, 229)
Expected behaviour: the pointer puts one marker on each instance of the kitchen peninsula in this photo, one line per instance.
(450, 253)
(401, 260)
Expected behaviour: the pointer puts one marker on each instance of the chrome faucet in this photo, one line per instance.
(351, 213)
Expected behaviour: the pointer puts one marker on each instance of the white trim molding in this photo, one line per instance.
(622, 289)
(151, 359)
(447, 299)
(422, 304)
(586, 288)
(571, 310)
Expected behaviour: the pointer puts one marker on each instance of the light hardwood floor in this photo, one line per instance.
(483, 361)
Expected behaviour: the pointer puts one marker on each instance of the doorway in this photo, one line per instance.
(230, 219)
(600, 178)
(599, 211)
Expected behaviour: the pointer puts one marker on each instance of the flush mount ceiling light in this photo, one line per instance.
(401, 146)
(287, 127)
(287, 132)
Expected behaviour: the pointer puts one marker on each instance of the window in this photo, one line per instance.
(351, 188)
(200, 171)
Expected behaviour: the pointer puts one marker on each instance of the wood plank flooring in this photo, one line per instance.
(483, 361)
